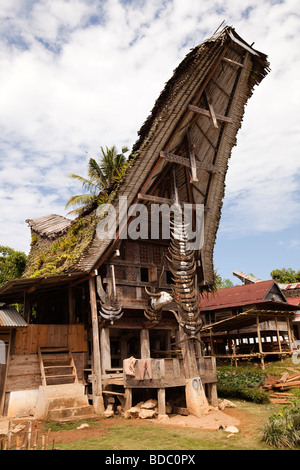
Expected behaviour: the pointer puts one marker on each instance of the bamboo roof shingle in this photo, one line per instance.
(50, 225)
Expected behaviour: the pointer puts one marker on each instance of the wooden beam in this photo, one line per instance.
(232, 62)
(211, 110)
(155, 199)
(206, 112)
(162, 200)
(193, 165)
(171, 157)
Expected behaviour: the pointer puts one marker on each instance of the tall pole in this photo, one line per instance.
(97, 376)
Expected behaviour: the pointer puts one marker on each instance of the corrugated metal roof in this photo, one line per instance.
(295, 285)
(10, 317)
(237, 296)
(293, 300)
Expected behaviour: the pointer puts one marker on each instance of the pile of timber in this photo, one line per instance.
(286, 382)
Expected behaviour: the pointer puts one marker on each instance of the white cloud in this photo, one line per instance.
(79, 74)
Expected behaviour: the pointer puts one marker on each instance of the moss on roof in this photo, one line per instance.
(50, 257)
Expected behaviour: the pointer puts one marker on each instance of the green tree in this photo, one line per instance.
(12, 264)
(285, 275)
(102, 175)
(223, 283)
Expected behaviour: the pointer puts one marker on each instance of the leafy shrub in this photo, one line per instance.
(243, 385)
(283, 428)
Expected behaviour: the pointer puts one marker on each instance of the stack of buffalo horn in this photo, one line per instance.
(182, 265)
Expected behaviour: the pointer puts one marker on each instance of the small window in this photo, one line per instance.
(144, 275)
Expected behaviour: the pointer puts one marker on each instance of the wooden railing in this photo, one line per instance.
(165, 373)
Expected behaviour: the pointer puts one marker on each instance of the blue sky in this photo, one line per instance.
(78, 74)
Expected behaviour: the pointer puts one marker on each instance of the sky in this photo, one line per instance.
(79, 74)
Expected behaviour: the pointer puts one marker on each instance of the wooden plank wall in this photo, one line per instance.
(24, 369)
(28, 339)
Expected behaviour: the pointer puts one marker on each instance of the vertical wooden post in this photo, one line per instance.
(212, 349)
(27, 309)
(189, 357)
(105, 349)
(71, 305)
(128, 399)
(259, 343)
(278, 335)
(196, 400)
(97, 378)
(161, 398)
(289, 332)
(145, 344)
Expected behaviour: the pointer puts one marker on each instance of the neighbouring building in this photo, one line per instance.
(253, 320)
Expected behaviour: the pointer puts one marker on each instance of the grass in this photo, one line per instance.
(119, 434)
(152, 436)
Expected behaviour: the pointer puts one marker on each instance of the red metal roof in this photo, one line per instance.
(237, 296)
(294, 301)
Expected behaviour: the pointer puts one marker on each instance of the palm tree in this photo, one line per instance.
(101, 176)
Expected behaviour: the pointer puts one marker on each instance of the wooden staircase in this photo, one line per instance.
(57, 366)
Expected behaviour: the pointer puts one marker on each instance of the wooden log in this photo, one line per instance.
(284, 377)
(287, 385)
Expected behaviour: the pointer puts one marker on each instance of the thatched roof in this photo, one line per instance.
(206, 96)
(49, 225)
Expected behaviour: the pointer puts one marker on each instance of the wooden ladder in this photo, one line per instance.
(57, 366)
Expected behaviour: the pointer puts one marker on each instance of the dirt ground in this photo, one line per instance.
(210, 422)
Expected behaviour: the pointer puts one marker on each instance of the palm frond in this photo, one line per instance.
(87, 184)
(80, 199)
(96, 174)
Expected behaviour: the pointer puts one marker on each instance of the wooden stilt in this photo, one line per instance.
(128, 399)
(161, 398)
